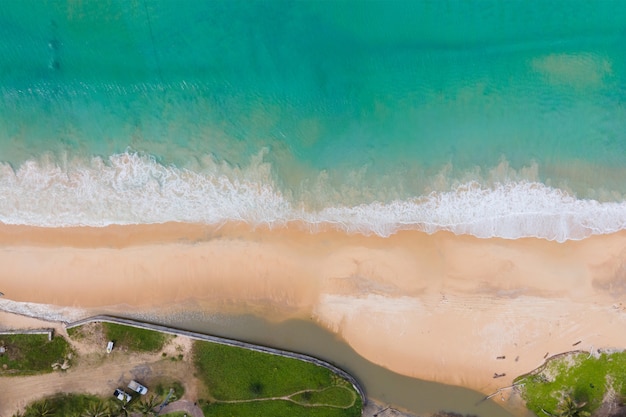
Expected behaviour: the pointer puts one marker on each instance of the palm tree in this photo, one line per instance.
(571, 408)
(96, 409)
(118, 409)
(40, 409)
(146, 407)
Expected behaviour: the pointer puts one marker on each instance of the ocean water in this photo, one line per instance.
(489, 118)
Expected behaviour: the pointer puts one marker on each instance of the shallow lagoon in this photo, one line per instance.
(420, 397)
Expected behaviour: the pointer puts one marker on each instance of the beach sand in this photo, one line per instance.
(446, 308)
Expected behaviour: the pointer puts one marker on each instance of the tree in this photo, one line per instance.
(96, 409)
(147, 406)
(572, 408)
(118, 409)
(40, 409)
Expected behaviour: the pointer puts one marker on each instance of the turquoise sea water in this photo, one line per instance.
(493, 118)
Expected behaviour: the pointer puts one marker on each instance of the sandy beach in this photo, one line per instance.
(452, 309)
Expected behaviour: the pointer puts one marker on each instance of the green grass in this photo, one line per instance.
(232, 373)
(338, 396)
(134, 339)
(28, 354)
(274, 409)
(584, 378)
(75, 333)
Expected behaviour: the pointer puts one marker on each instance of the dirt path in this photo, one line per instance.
(99, 374)
(300, 403)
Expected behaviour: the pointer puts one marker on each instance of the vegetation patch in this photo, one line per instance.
(233, 373)
(66, 405)
(84, 405)
(76, 333)
(275, 409)
(164, 387)
(28, 354)
(135, 339)
(576, 384)
(243, 382)
(69, 404)
(146, 406)
(338, 396)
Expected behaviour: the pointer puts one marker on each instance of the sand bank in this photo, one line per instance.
(452, 309)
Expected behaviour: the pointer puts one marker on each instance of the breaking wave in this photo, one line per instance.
(131, 188)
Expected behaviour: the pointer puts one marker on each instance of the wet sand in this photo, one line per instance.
(451, 309)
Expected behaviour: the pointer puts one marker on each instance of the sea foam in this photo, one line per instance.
(131, 188)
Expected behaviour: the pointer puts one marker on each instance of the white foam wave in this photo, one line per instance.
(510, 211)
(130, 188)
(43, 311)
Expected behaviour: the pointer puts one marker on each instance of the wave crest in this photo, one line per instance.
(131, 188)
(510, 211)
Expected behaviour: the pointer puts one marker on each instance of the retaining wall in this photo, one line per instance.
(48, 332)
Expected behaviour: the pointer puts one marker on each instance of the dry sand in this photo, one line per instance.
(452, 309)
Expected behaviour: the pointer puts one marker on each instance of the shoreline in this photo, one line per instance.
(444, 308)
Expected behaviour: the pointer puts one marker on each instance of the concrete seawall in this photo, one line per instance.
(47, 332)
(223, 341)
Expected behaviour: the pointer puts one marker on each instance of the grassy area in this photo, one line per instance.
(28, 354)
(232, 373)
(580, 377)
(134, 339)
(338, 395)
(76, 333)
(274, 409)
